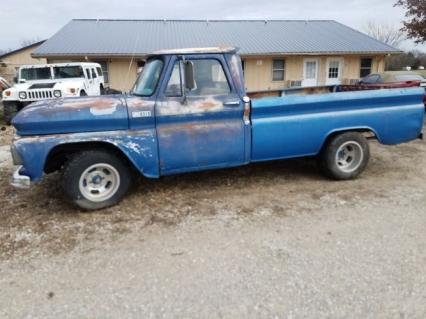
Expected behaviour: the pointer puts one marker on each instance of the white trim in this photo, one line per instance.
(338, 80)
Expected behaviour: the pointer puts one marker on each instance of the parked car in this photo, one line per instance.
(51, 81)
(387, 80)
(188, 111)
(393, 79)
(3, 84)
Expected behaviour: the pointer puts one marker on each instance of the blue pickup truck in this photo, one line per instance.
(188, 111)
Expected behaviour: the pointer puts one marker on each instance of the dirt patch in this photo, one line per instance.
(39, 221)
(6, 134)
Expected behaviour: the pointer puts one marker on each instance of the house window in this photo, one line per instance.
(278, 67)
(104, 66)
(366, 64)
(333, 70)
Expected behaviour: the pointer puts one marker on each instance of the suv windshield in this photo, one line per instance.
(148, 80)
(68, 72)
(31, 74)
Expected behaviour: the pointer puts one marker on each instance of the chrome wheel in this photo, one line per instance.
(349, 156)
(99, 182)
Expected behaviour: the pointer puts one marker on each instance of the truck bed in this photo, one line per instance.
(294, 126)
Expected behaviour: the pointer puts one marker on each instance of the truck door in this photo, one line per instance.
(202, 128)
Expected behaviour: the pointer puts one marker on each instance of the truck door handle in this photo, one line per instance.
(231, 103)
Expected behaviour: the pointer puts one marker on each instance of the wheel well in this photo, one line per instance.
(369, 134)
(60, 154)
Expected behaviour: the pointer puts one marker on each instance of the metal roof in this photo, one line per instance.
(254, 37)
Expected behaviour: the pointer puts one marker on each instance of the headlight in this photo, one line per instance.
(57, 93)
(7, 93)
(22, 95)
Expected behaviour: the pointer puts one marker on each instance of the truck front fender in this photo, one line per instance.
(139, 147)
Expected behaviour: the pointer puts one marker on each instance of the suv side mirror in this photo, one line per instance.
(15, 79)
(189, 75)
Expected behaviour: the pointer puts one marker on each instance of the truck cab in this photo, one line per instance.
(51, 81)
(188, 111)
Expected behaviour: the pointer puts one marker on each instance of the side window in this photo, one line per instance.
(94, 75)
(99, 70)
(88, 74)
(174, 87)
(209, 78)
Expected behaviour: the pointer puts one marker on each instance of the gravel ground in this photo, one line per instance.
(271, 240)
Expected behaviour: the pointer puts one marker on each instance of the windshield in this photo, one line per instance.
(68, 72)
(31, 74)
(148, 80)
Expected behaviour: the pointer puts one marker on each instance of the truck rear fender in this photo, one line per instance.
(368, 132)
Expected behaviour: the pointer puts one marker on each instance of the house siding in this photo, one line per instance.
(258, 70)
(15, 60)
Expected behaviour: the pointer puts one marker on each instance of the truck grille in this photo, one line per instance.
(39, 94)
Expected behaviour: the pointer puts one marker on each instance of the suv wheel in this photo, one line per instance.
(95, 179)
(10, 109)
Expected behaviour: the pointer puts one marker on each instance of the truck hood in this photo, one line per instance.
(73, 115)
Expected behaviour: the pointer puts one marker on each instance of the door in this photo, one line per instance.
(334, 71)
(202, 128)
(88, 83)
(96, 85)
(310, 72)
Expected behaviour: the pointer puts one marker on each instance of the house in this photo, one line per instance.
(276, 54)
(11, 61)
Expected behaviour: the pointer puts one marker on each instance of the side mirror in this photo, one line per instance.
(189, 75)
(15, 79)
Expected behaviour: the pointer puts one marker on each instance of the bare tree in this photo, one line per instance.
(4, 51)
(386, 33)
(415, 22)
(27, 42)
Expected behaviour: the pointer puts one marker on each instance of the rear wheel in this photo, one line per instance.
(345, 156)
(83, 93)
(95, 179)
(10, 109)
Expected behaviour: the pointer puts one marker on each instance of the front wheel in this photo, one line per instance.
(10, 109)
(345, 156)
(95, 179)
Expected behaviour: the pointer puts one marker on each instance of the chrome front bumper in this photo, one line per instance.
(20, 181)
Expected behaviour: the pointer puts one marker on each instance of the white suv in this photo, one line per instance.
(50, 81)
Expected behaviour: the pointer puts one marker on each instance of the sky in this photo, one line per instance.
(22, 20)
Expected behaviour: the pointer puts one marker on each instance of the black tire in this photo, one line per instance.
(10, 109)
(354, 153)
(102, 90)
(83, 93)
(78, 165)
